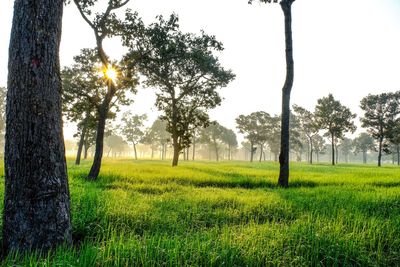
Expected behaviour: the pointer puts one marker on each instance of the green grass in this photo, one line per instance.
(146, 213)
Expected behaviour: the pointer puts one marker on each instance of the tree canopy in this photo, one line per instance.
(335, 118)
(184, 69)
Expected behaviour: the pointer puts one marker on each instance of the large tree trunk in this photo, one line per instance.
(283, 180)
(98, 154)
(177, 151)
(364, 157)
(36, 202)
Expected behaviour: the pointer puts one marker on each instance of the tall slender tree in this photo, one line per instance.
(308, 126)
(335, 118)
(286, 6)
(364, 143)
(132, 128)
(380, 115)
(103, 25)
(36, 202)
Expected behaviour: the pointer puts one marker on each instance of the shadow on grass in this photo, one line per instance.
(386, 184)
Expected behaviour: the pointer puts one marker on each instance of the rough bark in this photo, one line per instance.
(175, 158)
(36, 202)
(283, 180)
(398, 154)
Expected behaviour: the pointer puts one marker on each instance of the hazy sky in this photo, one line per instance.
(346, 47)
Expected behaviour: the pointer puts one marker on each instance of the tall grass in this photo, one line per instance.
(145, 213)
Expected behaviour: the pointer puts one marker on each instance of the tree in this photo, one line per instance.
(132, 128)
(117, 78)
(274, 138)
(214, 135)
(229, 138)
(308, 126)
(184, 69)
(395, 139)
(116, 144)
(364, 143)
(346, 146)
(158, 135)
(319, 145)
(36, 201)
(286, 6)
(84, 84)
(335, 118)
(380, 114)
(255, 127)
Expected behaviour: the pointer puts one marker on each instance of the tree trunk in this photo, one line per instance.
(261, 152)
(98, 154)
(364, 157)
(85, 150)
(177, 151)
(380, 152)
(229, 152)
(398, 154)
(36, 198)
(283, 180)
(333, 149)
(317, 157)
(81, 141)
(134, 149)
(80, 147)
(337, 153)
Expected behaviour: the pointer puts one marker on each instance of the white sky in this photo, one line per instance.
(347, 47)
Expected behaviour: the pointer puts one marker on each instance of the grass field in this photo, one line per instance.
(146, 213)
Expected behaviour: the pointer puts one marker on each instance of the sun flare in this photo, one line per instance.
(111, 73)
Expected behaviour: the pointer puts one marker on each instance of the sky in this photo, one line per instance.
(349, 48)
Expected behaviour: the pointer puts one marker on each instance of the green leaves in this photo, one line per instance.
(334, 117)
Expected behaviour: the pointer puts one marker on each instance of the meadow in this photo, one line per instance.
(145, 213)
